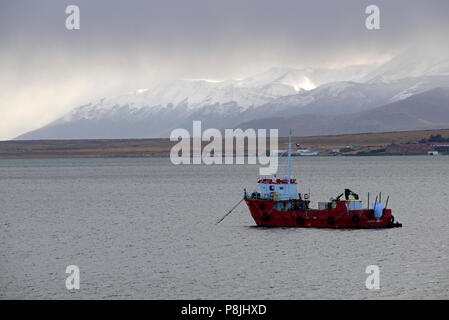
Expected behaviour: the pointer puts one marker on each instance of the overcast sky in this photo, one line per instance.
(46, 70)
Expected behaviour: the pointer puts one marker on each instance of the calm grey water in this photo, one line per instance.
(144, 228)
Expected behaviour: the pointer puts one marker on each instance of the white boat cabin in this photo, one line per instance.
(278, 189)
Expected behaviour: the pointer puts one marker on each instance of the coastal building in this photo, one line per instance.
(441, 146)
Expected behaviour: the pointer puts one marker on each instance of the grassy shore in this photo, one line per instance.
(98, 148)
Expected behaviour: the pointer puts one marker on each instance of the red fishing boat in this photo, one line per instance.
(276, 203)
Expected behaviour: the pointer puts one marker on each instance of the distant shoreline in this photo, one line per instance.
(347, 145)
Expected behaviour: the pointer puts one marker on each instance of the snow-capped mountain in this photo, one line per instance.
(347, 97)
(427, 110)
(148, 113)
(196, 93)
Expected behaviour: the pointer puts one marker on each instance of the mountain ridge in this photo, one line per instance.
(423, 111)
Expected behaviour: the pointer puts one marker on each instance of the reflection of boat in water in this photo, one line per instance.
(276, 203)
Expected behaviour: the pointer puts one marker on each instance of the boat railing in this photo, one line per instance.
(257, 196)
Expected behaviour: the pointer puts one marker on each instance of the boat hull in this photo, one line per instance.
(266, 214)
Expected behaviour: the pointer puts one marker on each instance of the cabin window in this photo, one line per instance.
(271, 187)
(281, 188)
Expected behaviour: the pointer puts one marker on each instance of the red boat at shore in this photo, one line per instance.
(276, 203)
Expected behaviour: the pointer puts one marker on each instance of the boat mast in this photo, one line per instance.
(289, 160)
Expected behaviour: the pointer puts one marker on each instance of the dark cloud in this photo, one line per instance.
(303, 30)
